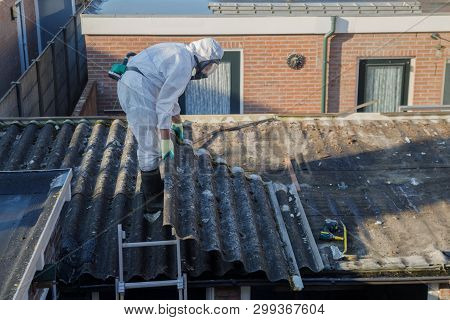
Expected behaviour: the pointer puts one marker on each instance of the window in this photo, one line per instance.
(383, 84)
(218, 94)
(446, 100)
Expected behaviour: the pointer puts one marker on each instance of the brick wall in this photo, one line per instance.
(347, 49)
(9, 49)
(87, 103)
(271, 86)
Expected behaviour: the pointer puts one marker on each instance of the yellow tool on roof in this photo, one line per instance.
(329, 230)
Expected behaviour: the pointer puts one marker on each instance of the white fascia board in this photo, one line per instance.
(154, 25)
(393, 24)
(144, 25)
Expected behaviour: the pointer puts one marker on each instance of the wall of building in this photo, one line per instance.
(9, 49)
(32, 40)
(270, 86)
(54, 14)
(428, 65)
(87, 103)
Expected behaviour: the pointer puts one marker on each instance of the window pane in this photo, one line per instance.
(384, 84)
(211, 95)
(447, 84)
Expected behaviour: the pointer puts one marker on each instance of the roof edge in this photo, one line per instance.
(230, 118)
(261, 25)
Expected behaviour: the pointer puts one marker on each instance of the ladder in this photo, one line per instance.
(121, 285)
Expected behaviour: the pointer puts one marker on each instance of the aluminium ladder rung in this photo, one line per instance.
(151, 284)
(149, 244)
(121, 286)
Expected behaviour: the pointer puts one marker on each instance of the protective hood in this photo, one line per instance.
(206, 49)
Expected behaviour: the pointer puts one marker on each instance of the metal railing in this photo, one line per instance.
(316, 8)
(53, 82)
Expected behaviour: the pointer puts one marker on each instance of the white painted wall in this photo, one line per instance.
(151, 25)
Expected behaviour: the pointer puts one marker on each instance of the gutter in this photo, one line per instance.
(324, 63)
(324, 281)
(327, 281)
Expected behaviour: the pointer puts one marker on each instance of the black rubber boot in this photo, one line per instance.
(153, 188)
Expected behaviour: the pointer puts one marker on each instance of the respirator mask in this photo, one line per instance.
(205, 68)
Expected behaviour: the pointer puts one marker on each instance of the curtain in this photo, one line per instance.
(384, 84)
(211, 95)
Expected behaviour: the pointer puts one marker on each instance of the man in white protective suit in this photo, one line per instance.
(148, 92)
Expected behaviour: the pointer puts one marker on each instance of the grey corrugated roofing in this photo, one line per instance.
(106, 191)
(387, 177)
(30, 206)
(234, 214)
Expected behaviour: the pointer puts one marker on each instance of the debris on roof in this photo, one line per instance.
(390, 169)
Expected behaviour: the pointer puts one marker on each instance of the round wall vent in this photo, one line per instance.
(296, 61)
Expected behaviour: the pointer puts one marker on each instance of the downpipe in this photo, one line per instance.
(325, 64)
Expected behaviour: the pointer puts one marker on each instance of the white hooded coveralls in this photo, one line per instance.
(151, 100)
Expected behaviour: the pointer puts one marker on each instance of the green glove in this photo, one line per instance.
(167, 149)
(179, 133)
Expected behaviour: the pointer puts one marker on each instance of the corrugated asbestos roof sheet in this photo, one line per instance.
(230, 215)
(235, 215)
(386, 177)
(365, 171)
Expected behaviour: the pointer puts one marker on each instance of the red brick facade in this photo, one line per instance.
(428, 72)
(270, 86)
(87, 103)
